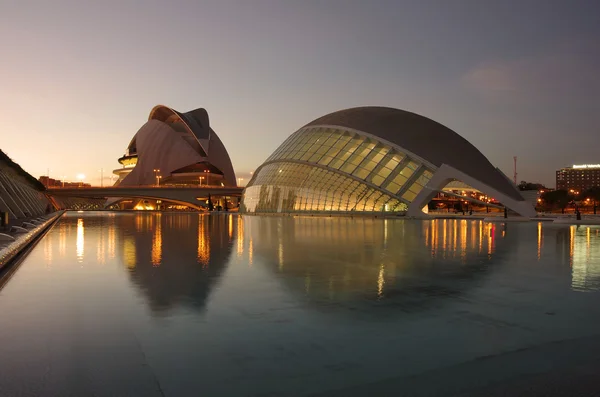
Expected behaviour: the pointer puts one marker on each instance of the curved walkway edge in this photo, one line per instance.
(11, 255)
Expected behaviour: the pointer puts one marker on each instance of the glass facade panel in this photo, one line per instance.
(417, 186)
(288, 187)
(332, 169)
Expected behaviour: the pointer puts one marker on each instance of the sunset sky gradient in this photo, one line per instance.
(516, 78)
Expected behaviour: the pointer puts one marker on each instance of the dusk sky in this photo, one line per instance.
(515, 78)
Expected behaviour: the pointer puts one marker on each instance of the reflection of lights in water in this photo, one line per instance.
(490, 236)
(463, 238)
(457, 237)
(250, 252)
(280, 254)
(111, 241)
(138, 223)
(101, 248)
(62, 240)
(454, 237)
(203, 241)
(79, 243)
(571, 244)
(129, 253)
(539, 240)
(584, 250)
(434, 237)
(444, 237)
(385, 232)
(230, 227)
(480, 236)
(240, 236)
(381, 281)
(156, 254)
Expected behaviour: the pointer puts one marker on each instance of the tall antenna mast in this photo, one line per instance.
(515, 175)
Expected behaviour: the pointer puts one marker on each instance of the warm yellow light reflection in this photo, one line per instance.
(129, 252)
(101, 248)
(62, 239)
(203, 241)
(490, 234)
(444, 237)
(480, 236)
(250, 252)
(458, 237)
(240, 236)
(539, 240)
(463, 238)
(79, 242)
(381, 281)
(584, 252)
(156, 254)
(111, 241)
(280, 255)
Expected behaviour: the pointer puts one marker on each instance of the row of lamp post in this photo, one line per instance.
(157, 176)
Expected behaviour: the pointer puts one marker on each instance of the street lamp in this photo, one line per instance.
(80, 177)
(207, 174)
(156, 171)
(158, 178)
(200, 178)
(240, 181)
(63, 180)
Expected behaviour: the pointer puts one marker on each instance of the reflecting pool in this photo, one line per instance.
(180, 304)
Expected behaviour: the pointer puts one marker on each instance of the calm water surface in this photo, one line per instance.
(151, 304)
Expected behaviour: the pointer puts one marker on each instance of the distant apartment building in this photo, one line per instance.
(51, 182)
(578, 177)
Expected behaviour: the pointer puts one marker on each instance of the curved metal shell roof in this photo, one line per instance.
(424, 137)
(197, 123)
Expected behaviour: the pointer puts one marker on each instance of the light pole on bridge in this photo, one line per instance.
(156, 171)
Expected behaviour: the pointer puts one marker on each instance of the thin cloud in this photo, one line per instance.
(560, 76)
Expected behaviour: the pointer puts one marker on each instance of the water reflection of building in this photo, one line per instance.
(176, 259)
(580, 245)
(335, 258)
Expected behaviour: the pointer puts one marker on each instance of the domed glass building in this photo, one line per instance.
(372, 159)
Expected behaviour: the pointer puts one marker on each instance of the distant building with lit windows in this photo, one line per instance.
(578, 177)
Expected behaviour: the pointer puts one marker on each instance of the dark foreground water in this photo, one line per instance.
(150, 304)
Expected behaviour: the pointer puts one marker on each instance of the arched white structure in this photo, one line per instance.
(446, 174)
(182, 146)
(372, 159)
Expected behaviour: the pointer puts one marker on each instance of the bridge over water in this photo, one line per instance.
(190, 196)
